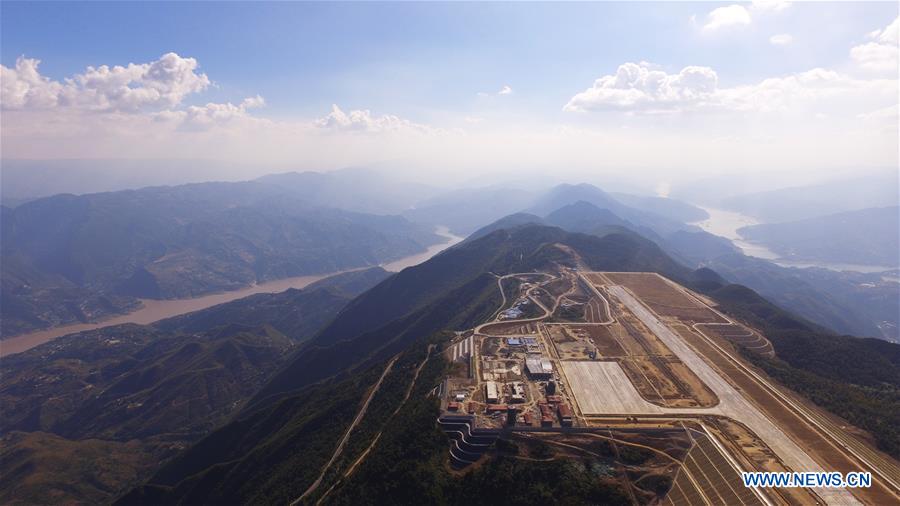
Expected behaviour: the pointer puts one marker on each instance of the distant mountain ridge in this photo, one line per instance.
(467, 210)
(802, 202)
(852, 303)
(75, 258)
(866, 237)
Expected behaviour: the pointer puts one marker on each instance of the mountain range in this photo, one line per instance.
(868, 236)
(243, 403)
(138, 394)
(79, 258)
(793, 203)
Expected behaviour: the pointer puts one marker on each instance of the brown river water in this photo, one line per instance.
(154, 310)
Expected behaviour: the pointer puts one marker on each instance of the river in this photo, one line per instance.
(155, 310)
(726, 224)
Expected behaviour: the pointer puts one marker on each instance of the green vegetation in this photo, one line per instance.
(857, 379)
(847, 302)
(409, 466)
(75, 258)
(266, 453)
(89, 470)
(267, 457)
(140, 394)
(274, 445)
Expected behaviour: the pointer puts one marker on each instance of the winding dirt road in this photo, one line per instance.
(343, 442)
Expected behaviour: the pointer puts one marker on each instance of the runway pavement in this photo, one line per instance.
(731, 402)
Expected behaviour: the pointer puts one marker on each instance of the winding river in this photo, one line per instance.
(726, 224)
(155, 310)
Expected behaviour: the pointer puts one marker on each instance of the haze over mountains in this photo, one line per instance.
(79, 258)
(76, 258)
(449, 253)
(242, 402)
(777, 196)
(868, 236)
(248, 413)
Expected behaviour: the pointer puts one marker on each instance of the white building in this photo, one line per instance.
(538, 366)
(491, 392)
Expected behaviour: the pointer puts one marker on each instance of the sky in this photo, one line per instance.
(457, 90)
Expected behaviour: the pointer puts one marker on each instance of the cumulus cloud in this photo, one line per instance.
(213, 114)
(151, 97)
(364, 121)
(888, 35)
(813, 90)
(738, 15)
(24, 86)
(639, 89)
(163, 83)
(723, 17)
(782, 39)
(881, 54)
(770, 5)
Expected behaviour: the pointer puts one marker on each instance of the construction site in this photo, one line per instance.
(621, 363)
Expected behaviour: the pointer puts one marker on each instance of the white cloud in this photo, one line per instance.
(723, 17)
(875, 57)
(782, 39)
(213, 114)
(890, 113)
(24, 86)
(364, 121)
(637, 89)
(882, 54)
(160, 84)
(504, 90)
(770, 5)
(150, 97)
(738, 15)
(889, 34)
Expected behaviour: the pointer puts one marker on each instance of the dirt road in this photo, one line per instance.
(340, 447)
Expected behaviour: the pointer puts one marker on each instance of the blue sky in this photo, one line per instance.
(441, 66)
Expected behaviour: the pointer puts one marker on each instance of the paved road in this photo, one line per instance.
(731, 402)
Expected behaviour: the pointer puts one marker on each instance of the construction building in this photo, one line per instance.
(538, 367)
(518, 392)
(491, 392)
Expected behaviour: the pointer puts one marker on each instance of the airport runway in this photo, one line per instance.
(731, 402)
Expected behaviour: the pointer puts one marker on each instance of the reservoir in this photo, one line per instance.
(726, 224)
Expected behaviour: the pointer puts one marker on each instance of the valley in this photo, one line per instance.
(564, 356)
(152, 310)
(449, 253)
